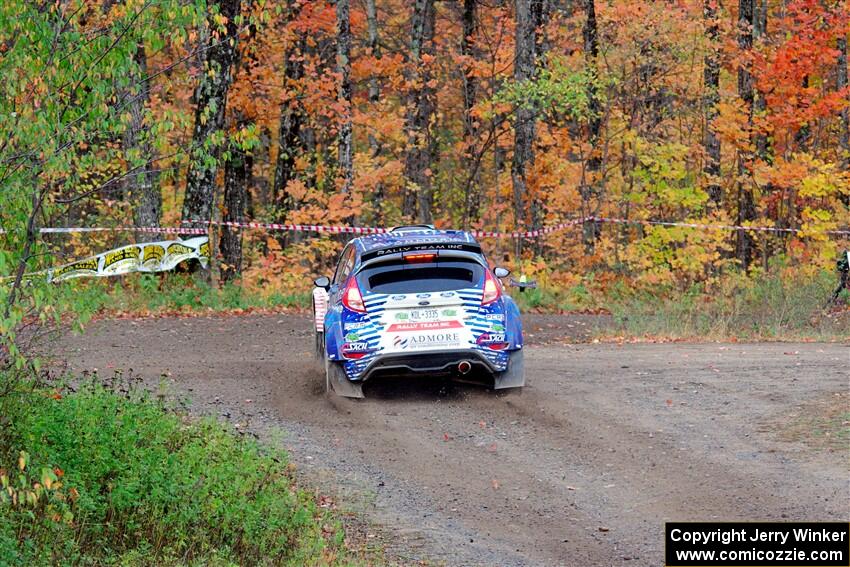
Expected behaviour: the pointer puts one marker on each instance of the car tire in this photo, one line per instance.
(337, 382)
(513, 378)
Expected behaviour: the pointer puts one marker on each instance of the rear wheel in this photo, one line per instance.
(336, 381)
(514, 375)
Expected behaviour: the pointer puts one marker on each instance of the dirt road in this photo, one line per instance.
(605, 443)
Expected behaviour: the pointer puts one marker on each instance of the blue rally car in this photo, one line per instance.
(416, 300)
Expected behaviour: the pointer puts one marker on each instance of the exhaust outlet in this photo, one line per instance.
(464, 366)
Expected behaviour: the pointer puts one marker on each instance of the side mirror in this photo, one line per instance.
(502, 272)
(323, 281)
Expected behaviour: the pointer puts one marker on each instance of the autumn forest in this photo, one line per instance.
(478, 114)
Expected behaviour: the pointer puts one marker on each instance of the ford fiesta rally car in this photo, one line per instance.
(416, 300)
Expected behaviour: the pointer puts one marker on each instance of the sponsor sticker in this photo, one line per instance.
(424, 326)
(153, 254)
(76, 269)
(176, 249)
(116, 260)
(355, 326)
(449, 312)
(494, 317)
(352, 337)
(427, 340)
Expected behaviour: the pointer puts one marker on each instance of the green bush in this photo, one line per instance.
(136, 483)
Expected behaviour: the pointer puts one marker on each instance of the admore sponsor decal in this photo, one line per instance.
(427, 340)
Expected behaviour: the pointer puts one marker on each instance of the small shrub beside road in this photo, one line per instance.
(103, 477)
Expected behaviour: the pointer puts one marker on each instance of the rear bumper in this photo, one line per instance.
(431, 362)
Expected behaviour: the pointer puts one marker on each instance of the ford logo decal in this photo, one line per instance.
(424, 303)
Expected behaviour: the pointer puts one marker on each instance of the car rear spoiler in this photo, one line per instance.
(421, 247)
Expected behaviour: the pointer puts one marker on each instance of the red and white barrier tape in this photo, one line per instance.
(148, 229)
(521, 234)
(296, 227)
(536, 233)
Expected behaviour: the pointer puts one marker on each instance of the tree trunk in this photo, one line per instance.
(469, 20)
(841, 84)
(591, 186)
(711, 78)
(289, 130)
(746, 205)
(420, 142)
(523, 159)
(374, 98)
(237, 176)
(343, 62)
(539, 17)
(141, 186)
(760, 9)
(211, 97)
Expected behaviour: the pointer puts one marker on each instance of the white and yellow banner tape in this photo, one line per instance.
(159, 256)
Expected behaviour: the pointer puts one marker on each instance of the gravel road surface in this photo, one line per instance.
(605, 444)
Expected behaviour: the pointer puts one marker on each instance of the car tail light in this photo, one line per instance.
(352, 298)
(419, 258)
(492, 290)
(352, 353)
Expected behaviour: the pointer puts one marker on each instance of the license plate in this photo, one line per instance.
(417, 315)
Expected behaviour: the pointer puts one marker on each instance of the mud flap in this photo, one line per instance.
(336, 380)
(514, 376)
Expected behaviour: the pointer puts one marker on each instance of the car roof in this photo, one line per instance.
(405, 236)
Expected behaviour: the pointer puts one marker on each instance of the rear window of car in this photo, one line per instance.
(401, 277)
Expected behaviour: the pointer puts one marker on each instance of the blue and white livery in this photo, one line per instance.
(416, 300)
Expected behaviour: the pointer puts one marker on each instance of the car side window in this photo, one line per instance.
(346, 262)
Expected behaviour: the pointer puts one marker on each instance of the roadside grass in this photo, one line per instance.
(781, 305)
(117, 477)
(170, 293)
(821, 424)
(766, 308)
